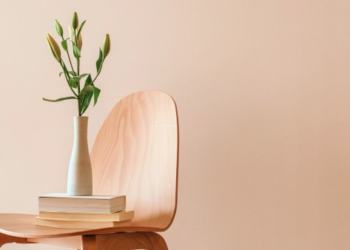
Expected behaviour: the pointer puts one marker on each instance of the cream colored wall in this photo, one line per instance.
(263, 92)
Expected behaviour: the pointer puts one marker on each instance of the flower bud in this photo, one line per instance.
(71, 34)
(58, 28)
(106, 47)
(80, 42)
(53, 46)
(75, 21)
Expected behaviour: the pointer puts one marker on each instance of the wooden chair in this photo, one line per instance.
(136, 154)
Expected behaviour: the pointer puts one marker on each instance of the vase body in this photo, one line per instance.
(80, 172)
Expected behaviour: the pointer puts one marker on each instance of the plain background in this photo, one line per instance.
(263, 93)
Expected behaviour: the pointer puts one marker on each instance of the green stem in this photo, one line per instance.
(98, 73)
(78, 72)
(78, 67)
(70, 62)
(79, 109)
(67, 78)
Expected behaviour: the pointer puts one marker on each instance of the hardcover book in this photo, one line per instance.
(80, 224)
(120, 216)
(61, 202)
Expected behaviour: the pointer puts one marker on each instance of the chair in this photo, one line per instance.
(136, 154)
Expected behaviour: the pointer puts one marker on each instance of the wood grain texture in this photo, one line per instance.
(122, 241)
(136, 154)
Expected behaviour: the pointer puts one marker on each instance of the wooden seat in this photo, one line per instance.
(136, 154)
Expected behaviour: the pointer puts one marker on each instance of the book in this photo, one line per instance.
(60, 202)
(120, 216)
(80, 224)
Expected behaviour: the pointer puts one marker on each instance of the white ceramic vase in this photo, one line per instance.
(80, 173)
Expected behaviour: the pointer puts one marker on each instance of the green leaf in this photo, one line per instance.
(73, 82)
(73, 43)
(67, 77)
(76, 51)
(60, 99)
(64, 44)
(81, 76)
(97, 92)
(99, 62)
(60, 74)
(88, 81)
(85, 97)
(72, 73)
(80, 28)
(65, 71)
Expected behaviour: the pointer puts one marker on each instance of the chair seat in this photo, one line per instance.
(22, 226)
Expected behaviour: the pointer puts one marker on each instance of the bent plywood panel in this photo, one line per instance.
(136, 154)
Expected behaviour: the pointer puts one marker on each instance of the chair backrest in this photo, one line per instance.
(136, 154)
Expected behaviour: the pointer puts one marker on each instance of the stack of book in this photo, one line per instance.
(83, 212)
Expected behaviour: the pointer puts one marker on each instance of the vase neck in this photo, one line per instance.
(80, 128)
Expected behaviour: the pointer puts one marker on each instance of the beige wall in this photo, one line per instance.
(263, 92)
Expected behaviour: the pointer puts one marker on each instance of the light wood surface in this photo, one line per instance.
(135, 154)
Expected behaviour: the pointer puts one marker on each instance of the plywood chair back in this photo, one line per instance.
(136, 154)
